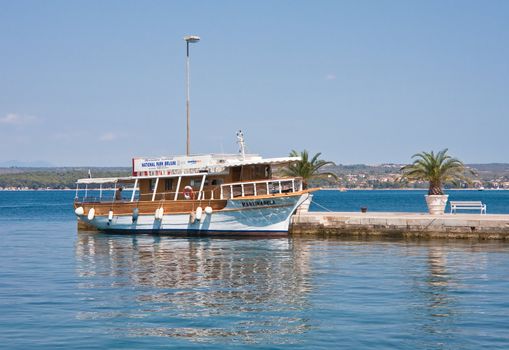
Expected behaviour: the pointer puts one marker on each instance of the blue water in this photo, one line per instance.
(60, 289)
(497, 201)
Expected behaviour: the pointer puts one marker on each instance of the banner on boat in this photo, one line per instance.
(169, 165)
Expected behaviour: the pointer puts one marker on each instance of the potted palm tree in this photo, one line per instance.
(307, 169)
(438, 169)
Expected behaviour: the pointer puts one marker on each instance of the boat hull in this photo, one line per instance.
(264, 216)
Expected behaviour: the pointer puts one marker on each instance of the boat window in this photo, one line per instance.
(168, 185)
(260, 172)
(235, 173)
(152, 184)
(217, 182)
(195, 183)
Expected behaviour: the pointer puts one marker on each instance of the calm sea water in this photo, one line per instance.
(60, 289)
(497, 201)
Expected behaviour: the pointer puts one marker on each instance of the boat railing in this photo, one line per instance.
(94, 199)
(91, 197)
(225, 191)
(260, 187)
(167, 196)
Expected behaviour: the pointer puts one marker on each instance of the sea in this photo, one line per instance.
(64, 289)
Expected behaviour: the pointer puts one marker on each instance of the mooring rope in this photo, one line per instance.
(321, 206)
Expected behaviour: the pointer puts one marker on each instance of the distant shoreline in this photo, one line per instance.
(322, 189)
(40, 190)
(411, 189)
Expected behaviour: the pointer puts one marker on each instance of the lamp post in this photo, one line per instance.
(189, 39)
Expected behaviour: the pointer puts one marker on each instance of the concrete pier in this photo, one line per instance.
(401, 225)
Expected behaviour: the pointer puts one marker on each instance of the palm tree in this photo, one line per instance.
(438, 169)
(307, 169)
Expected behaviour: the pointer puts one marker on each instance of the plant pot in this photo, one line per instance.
(364, 209)
(436, 203)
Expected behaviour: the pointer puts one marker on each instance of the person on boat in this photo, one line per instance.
(268, 172)
(118, 194)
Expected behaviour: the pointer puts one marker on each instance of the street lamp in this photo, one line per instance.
(189, 39)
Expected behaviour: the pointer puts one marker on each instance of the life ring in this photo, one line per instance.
(188, 192)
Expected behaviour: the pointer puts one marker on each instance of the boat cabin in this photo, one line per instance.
(203, 177)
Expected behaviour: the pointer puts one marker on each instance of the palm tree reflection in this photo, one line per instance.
(435, 309)
(247, 289)
(439, 281)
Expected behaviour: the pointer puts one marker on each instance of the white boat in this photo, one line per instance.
(214, 193)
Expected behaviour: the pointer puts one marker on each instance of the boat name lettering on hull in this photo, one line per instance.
(258, 203)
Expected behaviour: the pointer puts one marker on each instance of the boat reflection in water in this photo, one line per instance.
(194, 288)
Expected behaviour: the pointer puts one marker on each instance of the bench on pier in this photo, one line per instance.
(468, 205)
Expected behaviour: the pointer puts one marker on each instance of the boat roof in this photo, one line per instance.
(268, 161)
(195, 165)
(206, 163)
(104, 180)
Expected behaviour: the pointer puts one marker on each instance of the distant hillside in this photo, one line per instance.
(494, 175)
(491, 167)
(391, 167)
(56, 178)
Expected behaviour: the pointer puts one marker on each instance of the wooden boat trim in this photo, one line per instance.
(288, 194)
(148, 207)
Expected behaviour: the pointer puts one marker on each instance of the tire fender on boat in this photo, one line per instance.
(199, 213)
(79, 211)
(110, 215)
(159, 213)
(208, 210)
(136, 212)
(91, 214)
(192, 217)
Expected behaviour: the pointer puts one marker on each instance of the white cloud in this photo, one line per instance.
(18, 119)
(109, 136)
(330, 77)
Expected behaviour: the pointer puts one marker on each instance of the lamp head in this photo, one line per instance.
(192, 38)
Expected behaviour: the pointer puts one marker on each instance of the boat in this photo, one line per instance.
(196, 194)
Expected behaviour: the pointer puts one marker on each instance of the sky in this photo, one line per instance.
(95, 83)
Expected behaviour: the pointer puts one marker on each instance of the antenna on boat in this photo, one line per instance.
(242, 145)
(188, 39)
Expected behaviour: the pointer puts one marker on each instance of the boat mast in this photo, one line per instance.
(188, 39)
(242, 146)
